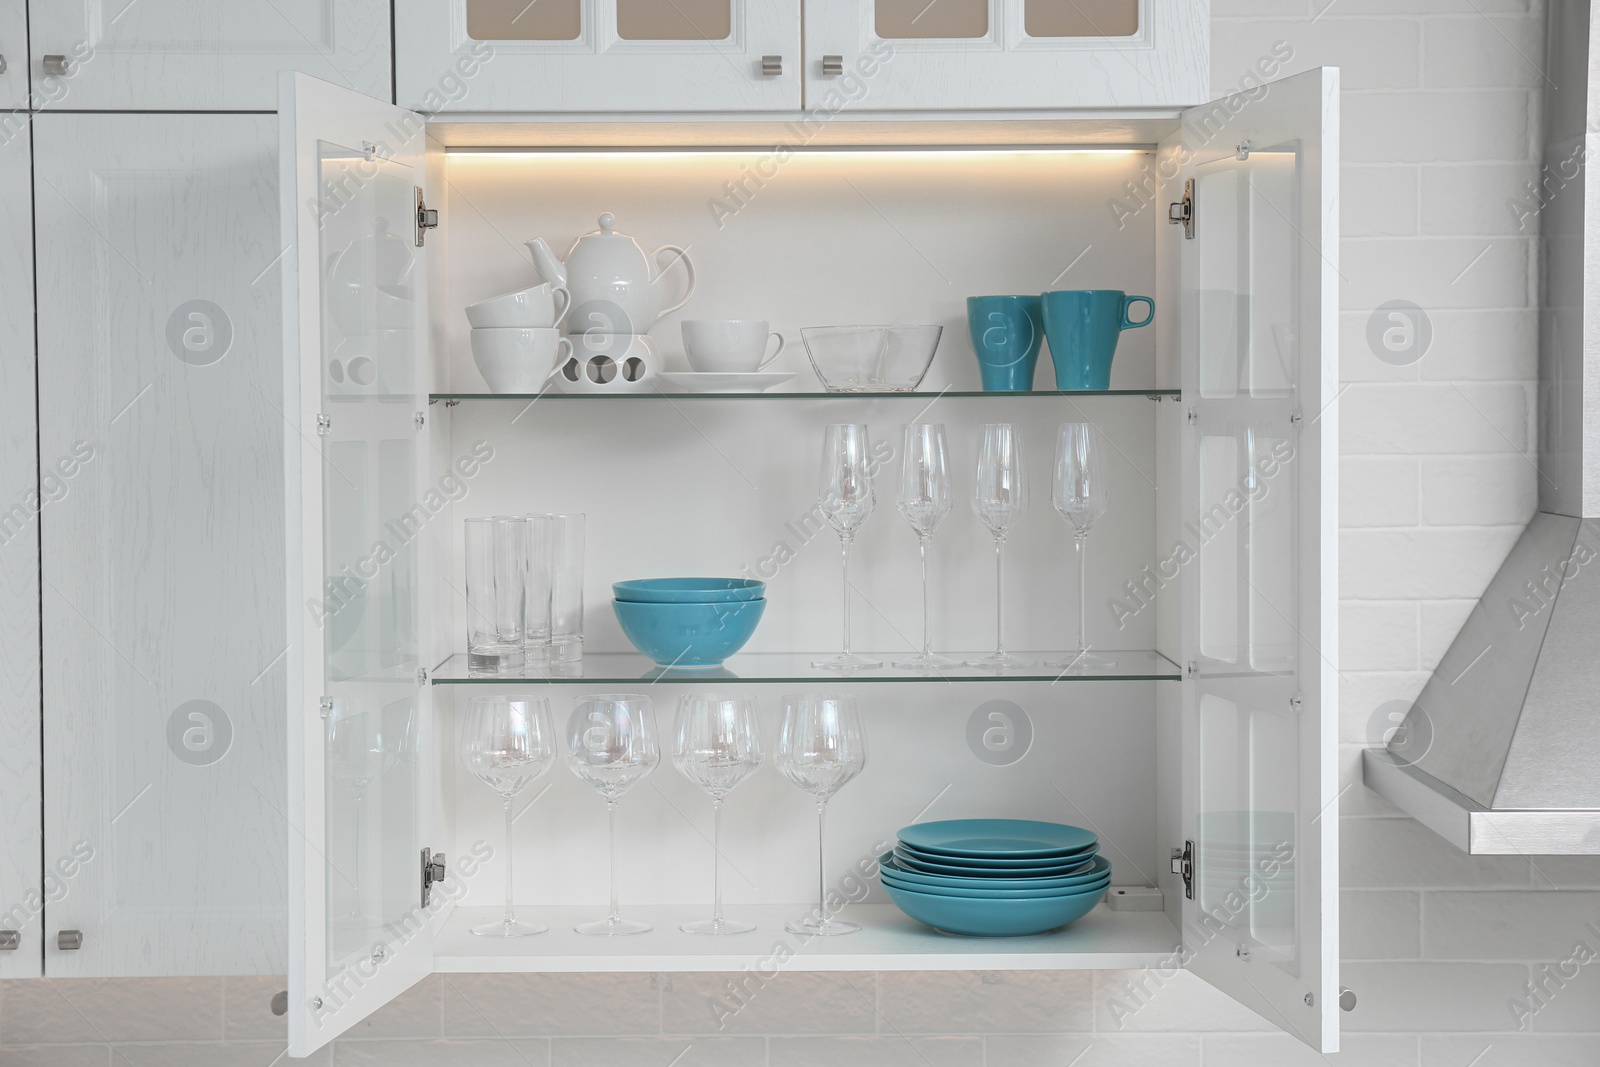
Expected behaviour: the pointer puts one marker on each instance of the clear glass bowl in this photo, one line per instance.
(871, 359)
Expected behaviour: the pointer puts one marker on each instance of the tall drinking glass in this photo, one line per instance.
(846, 500)
(925, 498)
(821, 747)
(506, 744)
(498, 551)
(1000, 499)
(716, 746)
(1080, 496)
(611, 745)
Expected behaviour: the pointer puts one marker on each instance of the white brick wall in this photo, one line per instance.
(1440, 121)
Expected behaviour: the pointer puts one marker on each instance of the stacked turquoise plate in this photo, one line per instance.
(995, 877)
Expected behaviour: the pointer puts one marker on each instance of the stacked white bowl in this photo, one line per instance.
(516, 337)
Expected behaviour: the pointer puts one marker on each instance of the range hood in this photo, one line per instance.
(1500, 754)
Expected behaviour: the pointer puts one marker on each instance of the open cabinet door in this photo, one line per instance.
(354, 304)
(1259, 295)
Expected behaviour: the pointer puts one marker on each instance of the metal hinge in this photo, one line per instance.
(1295, 417)
(1191, 669)
(1183, 864)
(1182, 212)
(1296, 702)
(432, 871)
(324, 425)
(422, 677)
(427, 217)
(1241, 151)
(419, 419)
(1193, 416)
(325, 706)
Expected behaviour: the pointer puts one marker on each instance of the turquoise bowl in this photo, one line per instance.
(990, 868)
(1003, 892)
(994, 916)
(689, 635)
(688, 590)
(1098, 868)
(997, 838)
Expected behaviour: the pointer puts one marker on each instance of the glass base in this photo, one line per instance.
(821, 927)
(613, 927)
(496, 659)
(717, 926)
(1000, 661)
(1082, 663)
(509, 928)
(847, 661)
(926, 662)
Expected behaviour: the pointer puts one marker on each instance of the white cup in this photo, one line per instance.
(729, 346)
(537, 306)
(519, 360)
(610, 363)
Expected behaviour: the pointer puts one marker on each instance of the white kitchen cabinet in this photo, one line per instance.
(1212, 739)
(160, 366)
(14, 52)
(893, 55)
(22, 883)
(201, 55)
(597, 55)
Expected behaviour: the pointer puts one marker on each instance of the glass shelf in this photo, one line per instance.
(617, 668)
(927, 395)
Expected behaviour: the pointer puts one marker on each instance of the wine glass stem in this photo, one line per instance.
(716, 860)
(611, 832)
(999, 596)
(510, 866)
(844, 546)
(1083, 627)
(822, 862)
(355, 901)
(927, 624)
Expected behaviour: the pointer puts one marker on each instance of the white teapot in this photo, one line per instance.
(616, 287)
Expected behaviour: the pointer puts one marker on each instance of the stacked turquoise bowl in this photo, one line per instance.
(995, 877)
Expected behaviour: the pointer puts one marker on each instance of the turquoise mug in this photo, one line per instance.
(1082, 326)
(1007, 333)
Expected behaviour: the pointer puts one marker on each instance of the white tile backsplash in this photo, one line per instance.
(1482, 925)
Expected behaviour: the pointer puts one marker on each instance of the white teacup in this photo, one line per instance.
(610, 363)
(537, 306)
(729, 346)
(519, 360)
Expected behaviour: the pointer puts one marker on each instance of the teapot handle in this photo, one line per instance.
(688, 265)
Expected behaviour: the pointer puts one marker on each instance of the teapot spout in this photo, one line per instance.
(550, 268)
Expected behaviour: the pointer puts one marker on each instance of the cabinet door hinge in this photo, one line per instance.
(432, 871)
(419, 419)
(427, 217)
(1183, 865)
(324, 425)
(1182, 212)
(422, 677)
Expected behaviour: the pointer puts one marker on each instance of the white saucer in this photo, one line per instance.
(700, 382)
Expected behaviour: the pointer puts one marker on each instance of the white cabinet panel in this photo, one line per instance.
(14, 51)
(987, 54)
(159, 319)
(597, 55)
(20, 502)
(204, 55)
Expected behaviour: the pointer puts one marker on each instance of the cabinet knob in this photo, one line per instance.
(69, 940)
(833, 65)
(771, 66)
(1347, 999)
(280, 1002)
(55, 65)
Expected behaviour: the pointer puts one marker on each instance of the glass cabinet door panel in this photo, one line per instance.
(679, 20)
(519, 20)
(1080, 18)
(920, 20)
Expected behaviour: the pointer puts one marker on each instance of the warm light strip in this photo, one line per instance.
(853, 150)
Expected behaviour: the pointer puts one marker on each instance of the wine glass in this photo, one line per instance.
(924, 499)
(506, 744)
(1079, 494)
(611, 745)
(1000, 498)
(821, 747)
(716, 747)
(363, 744)
(846, 500)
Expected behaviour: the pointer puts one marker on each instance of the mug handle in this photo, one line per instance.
(565, 302)
(768, 361)
(688, 265)
(563, 353)
(1128, 302)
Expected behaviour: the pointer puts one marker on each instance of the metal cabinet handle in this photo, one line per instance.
(833, 65)
(10, 940)
(69, 940)
(772, 66)
(56, 65)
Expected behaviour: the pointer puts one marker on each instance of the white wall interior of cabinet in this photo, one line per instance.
(595, 56)
(21, 883)
(14, 52)
(159, 322)
(204, 55)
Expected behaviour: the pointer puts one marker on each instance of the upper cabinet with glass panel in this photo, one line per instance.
(895, 55)
(598, 55)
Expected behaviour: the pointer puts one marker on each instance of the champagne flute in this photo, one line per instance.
(505, 743)
(1079, 494)
(716, 746)
(611, 745)
(821, 747)
(846, 500)
(925, 499)
(1000, 498)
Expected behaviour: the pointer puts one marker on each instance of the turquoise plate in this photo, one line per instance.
(994, 917)
(995, 838)
(975, 868)
(1005, 892)
(1099, 867)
